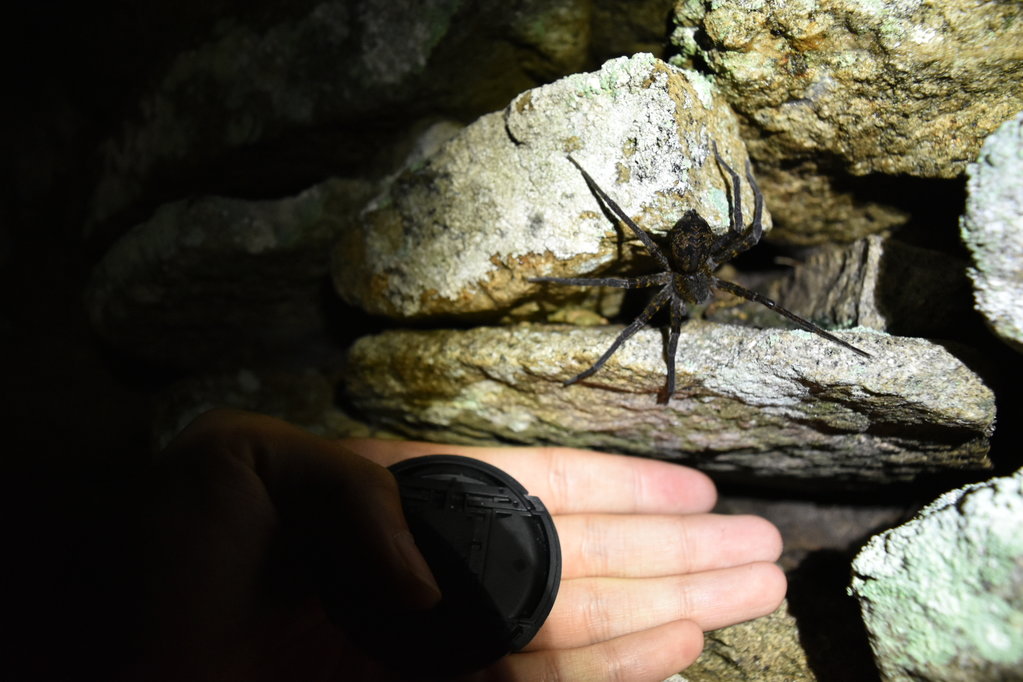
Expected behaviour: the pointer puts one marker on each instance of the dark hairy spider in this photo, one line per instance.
(687, 270)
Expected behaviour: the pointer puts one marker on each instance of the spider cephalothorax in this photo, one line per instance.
(687, 270)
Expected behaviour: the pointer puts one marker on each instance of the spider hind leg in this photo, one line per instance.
(655, 304)
(803, 323)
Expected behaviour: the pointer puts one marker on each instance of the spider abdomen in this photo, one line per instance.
(693, 288)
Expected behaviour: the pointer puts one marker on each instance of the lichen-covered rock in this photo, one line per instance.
(766, 650)
(906, 87)
(942, 596)
(875, 282)
(992, 228)
(759, 404)
(460, 233)
(211, 280)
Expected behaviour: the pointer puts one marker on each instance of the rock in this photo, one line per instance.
(301, 397)
(808, 527)
(942, 596)
(759, 405)
(212, 280)
(766, 650)
(499, 203)
(813, 203)
(624, 27)
(992, 228)
(909, 87)
(879, 283)
(834, 93)
(310, 86)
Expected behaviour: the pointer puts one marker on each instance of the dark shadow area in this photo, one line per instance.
(932, 204)
(830, 628)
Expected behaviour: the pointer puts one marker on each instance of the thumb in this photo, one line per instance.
(340, 510)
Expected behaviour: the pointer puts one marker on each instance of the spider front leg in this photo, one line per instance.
(739, 238)
(641, 234)
(655, 304)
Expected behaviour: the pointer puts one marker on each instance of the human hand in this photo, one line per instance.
(242, 503)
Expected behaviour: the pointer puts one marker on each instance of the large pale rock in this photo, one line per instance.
(942, 596)
(763, 404)
(460, 233)
(992, 228)
(214, 280)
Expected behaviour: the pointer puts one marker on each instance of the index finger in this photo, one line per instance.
(571, 481)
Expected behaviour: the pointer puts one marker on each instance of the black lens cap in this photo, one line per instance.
(495, 554)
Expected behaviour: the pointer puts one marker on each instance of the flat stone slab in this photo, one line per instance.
(751, 402)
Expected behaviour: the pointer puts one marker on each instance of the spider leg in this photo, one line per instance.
(737, 224)
(758, 205)
(660, 278)
(652, 307)
(654, 250)
(678, 311)
(805, 324)
(739, 238)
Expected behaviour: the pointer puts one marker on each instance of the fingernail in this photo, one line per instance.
(426, 591)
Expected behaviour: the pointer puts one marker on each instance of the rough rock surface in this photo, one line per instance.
(835, 93)
(767, 404)
(766, 649)
(629, 26)
(813, 203)
(942, 596)
(322, 67)
(992, 228)
(808, 527)
(263, 95)
(460, 233)
(906, 87)
(875, 282)
(214, 278)
(301, 397)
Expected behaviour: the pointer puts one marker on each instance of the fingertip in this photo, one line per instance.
(762, 539)
(674, 488)
(690, 636)
(768, 586)
(702, 490)
(771, 538)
